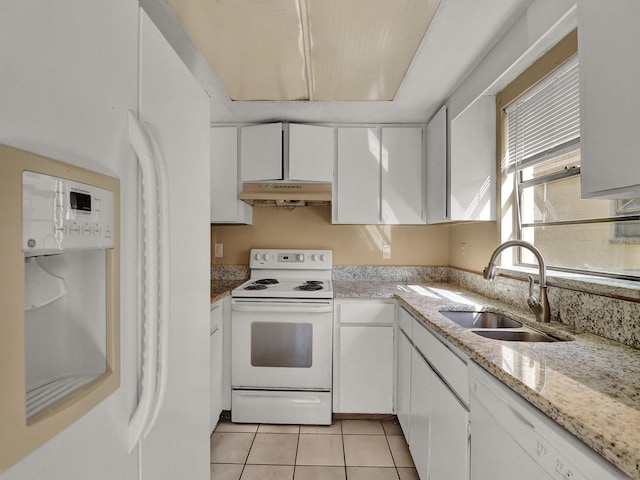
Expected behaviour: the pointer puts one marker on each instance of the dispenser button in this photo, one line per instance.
(87, 230)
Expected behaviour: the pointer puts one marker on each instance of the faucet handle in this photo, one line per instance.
(531, 284)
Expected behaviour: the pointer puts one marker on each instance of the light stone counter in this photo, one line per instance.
(587, 384)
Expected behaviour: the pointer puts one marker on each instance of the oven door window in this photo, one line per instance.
(275, 344)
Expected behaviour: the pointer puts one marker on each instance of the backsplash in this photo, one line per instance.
(599, 311)
(391, 274)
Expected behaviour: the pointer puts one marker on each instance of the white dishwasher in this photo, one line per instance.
(511, 439)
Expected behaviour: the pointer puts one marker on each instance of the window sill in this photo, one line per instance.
(608, 287)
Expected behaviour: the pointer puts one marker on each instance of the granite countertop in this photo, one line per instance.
(588, 384)
(222, 288)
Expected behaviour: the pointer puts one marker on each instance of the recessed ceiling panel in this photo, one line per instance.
(361, 49)
(255, 47)
(329, 50)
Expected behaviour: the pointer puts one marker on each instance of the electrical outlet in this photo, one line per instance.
(463, 249)
(386, 252)
(217, 251)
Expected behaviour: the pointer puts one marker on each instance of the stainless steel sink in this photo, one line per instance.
(516, 336)
(481, 319)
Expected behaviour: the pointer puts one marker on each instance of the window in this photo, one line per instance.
(541, 143)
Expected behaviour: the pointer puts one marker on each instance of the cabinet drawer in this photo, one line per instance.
(447, 364)
(365, 312)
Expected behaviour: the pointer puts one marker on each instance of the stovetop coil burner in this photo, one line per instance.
(255, 286)
(266, 281)
(310, 287)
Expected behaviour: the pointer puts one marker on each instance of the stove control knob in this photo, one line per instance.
(258, 256)
(323, 257)
(266, 257)
(314, 257)
(301, 257)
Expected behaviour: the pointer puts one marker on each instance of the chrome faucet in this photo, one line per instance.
(539, 305)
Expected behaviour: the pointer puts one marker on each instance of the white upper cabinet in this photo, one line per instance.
(379, 176)
(402, 176)
(437, 188)
(472, 168)
(608, 52)
(261, 152)
(311, 153)
(225, 206)
(356, 192)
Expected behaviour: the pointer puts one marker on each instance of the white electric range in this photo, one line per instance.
(282, 336)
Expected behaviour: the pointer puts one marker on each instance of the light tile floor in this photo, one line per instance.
(345, 450)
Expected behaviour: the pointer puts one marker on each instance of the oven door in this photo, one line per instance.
(281, 344)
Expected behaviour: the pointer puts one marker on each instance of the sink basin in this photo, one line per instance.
(515, 336)
(481, 319)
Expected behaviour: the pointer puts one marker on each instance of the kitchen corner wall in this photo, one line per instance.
(311, 228)
(471, 245)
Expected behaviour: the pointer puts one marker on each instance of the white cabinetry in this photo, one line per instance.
(225, 186)
(608, 50)
(420, 412)
(438, 404)
(403, 371)
(379, 176)
(216, 345)
(363, 356)
(437, 178)
(472, 168)
(356, 193)
(261, 152)
(311, 153)
(402, 178)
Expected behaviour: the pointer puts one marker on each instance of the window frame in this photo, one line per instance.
(532, 76)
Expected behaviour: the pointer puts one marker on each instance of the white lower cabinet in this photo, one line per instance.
(449, 446)
(438, 419)
(403, 395)
(420, 414)
(363, 380)
(216, 352)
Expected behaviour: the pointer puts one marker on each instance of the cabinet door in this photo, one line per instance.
(437, 188)
(421, 376)
(261, 152)
(366, 369)
(403, 395)
(608, 49)
(402, 176)
(472, 193)
(225, 206)
(215, 344)
(356, 196)
(449, 448)
(311, 153)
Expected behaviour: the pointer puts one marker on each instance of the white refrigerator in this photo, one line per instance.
(71, 73)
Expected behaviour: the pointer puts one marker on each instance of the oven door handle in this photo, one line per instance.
(283, 308)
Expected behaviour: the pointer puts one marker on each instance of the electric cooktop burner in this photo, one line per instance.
(266, 281)
(255, 286)
(310, 286)
(314, 282)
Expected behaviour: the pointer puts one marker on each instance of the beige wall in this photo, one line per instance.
(310, 227)
(471, 244)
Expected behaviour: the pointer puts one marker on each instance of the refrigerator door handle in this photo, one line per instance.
(164, 279)
(156, 277)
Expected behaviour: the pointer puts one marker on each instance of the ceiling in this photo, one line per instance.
(376, 61)
(329, 50)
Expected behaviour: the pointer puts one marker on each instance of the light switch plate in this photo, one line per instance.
(217, 250)
(386, 252)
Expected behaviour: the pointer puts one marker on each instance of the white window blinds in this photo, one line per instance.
(545, 121)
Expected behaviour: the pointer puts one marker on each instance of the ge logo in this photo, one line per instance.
(31, 243)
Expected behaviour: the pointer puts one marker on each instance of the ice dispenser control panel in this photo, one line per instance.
(60, 214)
